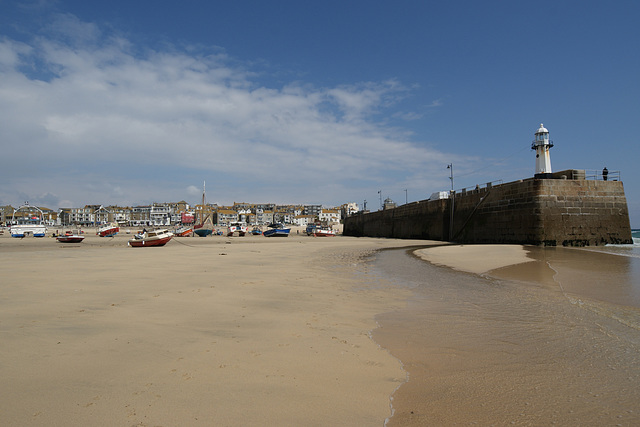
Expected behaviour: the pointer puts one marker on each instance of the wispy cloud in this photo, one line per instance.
(97, 119)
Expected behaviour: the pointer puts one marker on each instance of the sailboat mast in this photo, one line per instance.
(204, 185)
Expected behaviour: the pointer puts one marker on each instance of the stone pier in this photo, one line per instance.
(564, 209)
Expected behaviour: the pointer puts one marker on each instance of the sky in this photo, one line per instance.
(134, 102)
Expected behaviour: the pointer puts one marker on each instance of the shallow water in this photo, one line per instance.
(552, 341)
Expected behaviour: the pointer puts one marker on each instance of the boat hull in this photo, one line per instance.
(138, 243)
(183, 233)
(108, 232)
(277, 232)
(203, 232)
(25, 230)
(70, 239)
(324, 233)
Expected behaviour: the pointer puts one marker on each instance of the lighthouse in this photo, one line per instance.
(541, 144)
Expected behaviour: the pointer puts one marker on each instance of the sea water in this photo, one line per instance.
(552, 341)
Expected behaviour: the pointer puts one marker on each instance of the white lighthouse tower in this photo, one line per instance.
(541, 144)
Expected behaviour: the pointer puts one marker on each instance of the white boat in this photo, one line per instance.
(324, 232)
(151, 238)
(320, 231)
(28, 221)
(237, 228)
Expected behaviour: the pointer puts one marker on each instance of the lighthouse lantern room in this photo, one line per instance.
(541, 144)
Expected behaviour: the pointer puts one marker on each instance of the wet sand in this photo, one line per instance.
(523, 342)
(204, 331)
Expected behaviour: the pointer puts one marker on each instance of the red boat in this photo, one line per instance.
(151, 238)
(71, 237)
(108, 230)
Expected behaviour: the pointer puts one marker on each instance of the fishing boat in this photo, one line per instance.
(151, 238)
(27, 220)
(108, 230)
(71, 236)
(183, 231)
(237, 229)
(256, 231)
(323, 232)
(276, 230)
(318, 230)
(205, 227)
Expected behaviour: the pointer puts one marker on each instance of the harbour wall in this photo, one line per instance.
(561, 209)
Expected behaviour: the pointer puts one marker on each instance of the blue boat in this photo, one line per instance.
(276, 230)
(203, 232)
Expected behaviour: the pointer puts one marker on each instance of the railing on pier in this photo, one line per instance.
(479, 187)
(600, 175)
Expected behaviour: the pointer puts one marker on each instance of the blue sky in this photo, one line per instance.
(298, 102)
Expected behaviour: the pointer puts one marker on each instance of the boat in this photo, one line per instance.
(205, 227)
(323, 232)
(256, 231)
(183, 231)
(319, 230)
(71, 236)
(28, 221)
(276, 230)
(151, 238)
(202, 231)
(237, 228)
(108, 230)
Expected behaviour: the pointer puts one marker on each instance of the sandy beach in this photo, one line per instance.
(204, 331)
(314, 331)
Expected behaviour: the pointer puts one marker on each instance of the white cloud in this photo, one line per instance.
(92, 112)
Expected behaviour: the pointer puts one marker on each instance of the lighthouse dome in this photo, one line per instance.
(542, 129)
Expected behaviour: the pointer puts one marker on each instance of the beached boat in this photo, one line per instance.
(237, 229)
(205, 227)
(323, 232)
(71, 236)
(319, 230)
(256, 231)
(183, 232)
(27, 220)
(151, 238)
(202, 230)
(276, 230)
(108, 230)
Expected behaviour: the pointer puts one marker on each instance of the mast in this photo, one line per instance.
(204, 185)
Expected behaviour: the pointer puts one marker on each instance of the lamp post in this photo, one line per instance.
(406, 198)
(452, 204)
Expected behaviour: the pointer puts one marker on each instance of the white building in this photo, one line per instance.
(329, 216)
(304, 220)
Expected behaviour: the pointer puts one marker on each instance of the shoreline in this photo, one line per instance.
(512, 342)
